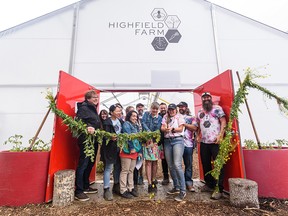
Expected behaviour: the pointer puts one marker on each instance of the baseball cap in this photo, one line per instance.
(172, 106)
(139, 104)
(206, 94)
(182, 103)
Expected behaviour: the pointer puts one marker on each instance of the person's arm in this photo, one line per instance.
(163, 125)
(83, 115)
(178, 129)
(159, 122)
(198, 131)
(144, 120)
(190, 127)
(165, 128)
(223, 125)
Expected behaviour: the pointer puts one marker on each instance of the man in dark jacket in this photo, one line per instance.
(87, 112)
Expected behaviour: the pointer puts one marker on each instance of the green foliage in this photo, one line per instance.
(278, 144)
(77, 127)
(227, 144)
(16, 142)
(100, 167)
(250, 144)
(281, 142)
(40, 145)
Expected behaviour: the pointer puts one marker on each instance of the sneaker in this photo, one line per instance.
(154, 187)
(116, 189)
(190, 188)
(165, 181)
(127, 195)
(180, 196)
(81, 197)
(155, 182)
(173, 191)
(150, 188)
(90, 190)
(216, 195)
(107, 194)
(134, 193)
(206, 188)
(140, 180)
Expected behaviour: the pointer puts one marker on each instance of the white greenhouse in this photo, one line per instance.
(166, 47)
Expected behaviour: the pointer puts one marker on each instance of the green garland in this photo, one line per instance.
(227, 144)
(77, 127)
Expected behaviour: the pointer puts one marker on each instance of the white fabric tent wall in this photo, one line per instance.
(77, 39)
(116, 54)
(31, 56)
(244, 43)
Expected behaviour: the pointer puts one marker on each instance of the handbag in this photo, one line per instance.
(136, 144)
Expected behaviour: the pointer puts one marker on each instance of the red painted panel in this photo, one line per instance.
(269, 169)
(64, 150)
(23, 177)
(222, 91)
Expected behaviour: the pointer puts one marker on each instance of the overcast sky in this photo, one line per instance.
(270, 12)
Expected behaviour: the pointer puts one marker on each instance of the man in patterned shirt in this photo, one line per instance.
(212, 121)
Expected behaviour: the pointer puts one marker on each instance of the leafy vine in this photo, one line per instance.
(227, 144)
(78, 127)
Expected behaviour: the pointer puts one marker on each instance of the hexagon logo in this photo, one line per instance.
(159, 43)
(172, 21)
(173, 36)
(159, 14)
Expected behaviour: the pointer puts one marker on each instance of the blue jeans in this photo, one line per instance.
(174, 149)
(116, 172)
(188, 162)
(106, 175)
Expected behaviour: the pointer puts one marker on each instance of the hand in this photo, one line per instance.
(167, 130)
(114, 138)
(218, 139)
(198, 138)
(90, 130)
(140, 155)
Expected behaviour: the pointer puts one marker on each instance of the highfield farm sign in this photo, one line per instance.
(163, 28)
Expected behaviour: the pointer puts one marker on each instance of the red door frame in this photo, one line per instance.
(64, 152)
(222, 91)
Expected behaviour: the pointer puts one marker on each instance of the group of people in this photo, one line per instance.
(180, 131)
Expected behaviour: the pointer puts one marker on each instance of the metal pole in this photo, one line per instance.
(73, 38)
(215, 37)
(250, 115)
